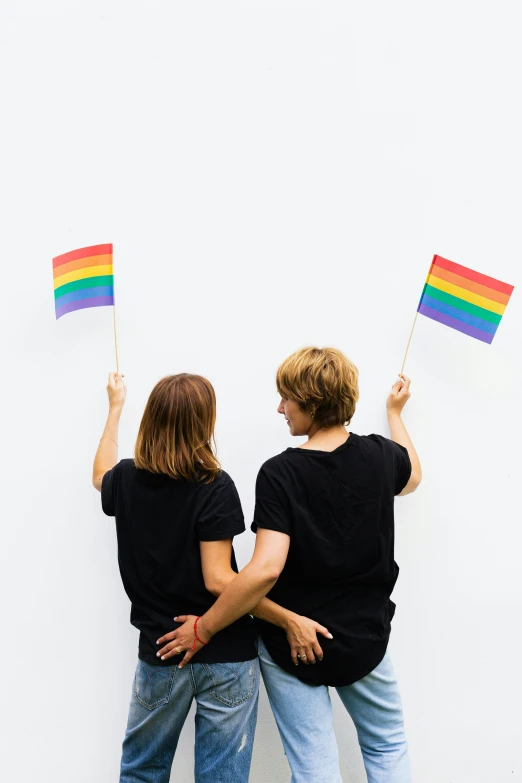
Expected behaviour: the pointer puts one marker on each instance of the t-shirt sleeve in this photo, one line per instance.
(270, 512)
(109, 492)
(402, 465)
(222, 516)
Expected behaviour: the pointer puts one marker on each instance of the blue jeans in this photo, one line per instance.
(304, 717)
(226, 697)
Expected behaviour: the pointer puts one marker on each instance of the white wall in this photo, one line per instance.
(272, 174)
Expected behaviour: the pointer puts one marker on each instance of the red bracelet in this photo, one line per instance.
(196, 637)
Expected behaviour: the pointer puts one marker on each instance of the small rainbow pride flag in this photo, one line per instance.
(463, 299)
(83, 278)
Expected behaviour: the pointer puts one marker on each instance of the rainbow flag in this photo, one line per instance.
(83, 278)
(463, 299)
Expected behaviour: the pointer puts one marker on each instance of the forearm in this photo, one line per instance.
(265, 610)
(107, 453)
(273, 613)
(243, 592)
(399, 434)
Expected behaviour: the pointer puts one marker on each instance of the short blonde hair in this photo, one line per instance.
(322, 381)
(176, 436)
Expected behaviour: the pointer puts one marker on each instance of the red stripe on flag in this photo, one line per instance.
(83, 252)
(463, 271)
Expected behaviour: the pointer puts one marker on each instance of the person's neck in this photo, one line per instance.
(326, 438)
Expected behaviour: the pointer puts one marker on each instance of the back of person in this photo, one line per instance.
(324, 551)
(160, 522)
(173, 507)
(337, 508)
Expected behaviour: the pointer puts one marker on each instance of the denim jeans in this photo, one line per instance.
(304, 717)
(226, 697)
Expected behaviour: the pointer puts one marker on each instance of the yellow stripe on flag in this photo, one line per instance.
(80, 274)
(468, 296)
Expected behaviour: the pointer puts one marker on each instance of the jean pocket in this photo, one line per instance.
(153, 684)
(233, 683)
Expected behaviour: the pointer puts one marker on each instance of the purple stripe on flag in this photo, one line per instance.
(80, 304)
(454, 323)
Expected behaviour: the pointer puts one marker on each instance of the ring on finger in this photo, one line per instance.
(178, 650)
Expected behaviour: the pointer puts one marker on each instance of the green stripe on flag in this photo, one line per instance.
(85, 282)
(455, 301)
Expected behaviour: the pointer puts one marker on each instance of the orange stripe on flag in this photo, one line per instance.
(470, 274)
(470, 285)
(81, 263)
(83, 252)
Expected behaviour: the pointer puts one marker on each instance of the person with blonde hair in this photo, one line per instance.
(324, 519)
(176, 514)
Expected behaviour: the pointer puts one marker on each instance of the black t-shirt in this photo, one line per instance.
(160, 522)
(337, 508)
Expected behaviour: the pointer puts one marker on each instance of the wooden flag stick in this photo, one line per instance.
(415, 319)
(116, 341)
(114, 317)
(409, 341)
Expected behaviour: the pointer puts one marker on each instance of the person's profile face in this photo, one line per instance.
(298, 421)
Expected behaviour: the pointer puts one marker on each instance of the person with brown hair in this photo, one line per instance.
(176, 514)
(324, 519)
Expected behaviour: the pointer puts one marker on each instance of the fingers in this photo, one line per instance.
(305, 655)
(182, 618)
(401, 387)
(167, 638)
(188, 655)
(173, 649)
(318, 652)
(404, 390)
(116, 376)
(164, 652)
(324, 631)
(294, 652)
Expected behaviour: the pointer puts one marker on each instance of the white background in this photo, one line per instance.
(272, 174)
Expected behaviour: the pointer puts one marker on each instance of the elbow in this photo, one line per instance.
(216, 583)
(413, 483)
(416, 479)
(215, 586)
(272, 575)
(267, 573)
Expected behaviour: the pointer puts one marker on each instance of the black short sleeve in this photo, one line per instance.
(108, 492)
(402, 465)
(269, 512)
(222, 515)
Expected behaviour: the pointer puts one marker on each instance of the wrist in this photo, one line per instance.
(203, 632)
(289, 621)
(393, 414)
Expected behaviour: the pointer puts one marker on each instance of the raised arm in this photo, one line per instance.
(107, 453)
(399, 396)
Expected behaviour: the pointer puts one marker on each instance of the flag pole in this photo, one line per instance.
(415, 319)
(409, 341)
(114, 318)
(116, 340)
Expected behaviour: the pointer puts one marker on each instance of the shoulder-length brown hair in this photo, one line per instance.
(176, 435)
